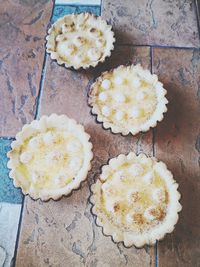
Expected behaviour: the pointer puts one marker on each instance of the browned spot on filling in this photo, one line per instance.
(166, 197)
(138, 218)
(135, 196)
(116, 207)
(93, 30)
(159, 214)
(68, 27)
(81, 39)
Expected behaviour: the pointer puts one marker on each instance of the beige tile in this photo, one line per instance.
(153, 22)
(9, 222)
(22, 31)
(177, 143)
(63, 233)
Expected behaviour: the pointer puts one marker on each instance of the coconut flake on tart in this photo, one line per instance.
(128, 99)
(135, 199)
(80, 40)
(50, 157)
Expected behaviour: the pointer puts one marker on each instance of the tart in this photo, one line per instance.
(80, 40)
(50, 157)
(135, 199)
(128, 99)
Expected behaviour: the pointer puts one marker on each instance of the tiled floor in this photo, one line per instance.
(153, 22)
(163, 36)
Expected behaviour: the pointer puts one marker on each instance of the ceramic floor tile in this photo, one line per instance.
(153, 22)
(51, 237)
(71, 238)
(178, 144)
(64, 232)
(10, 207)
(9, 220)
(79, 2)
(62, 10)
(22, 31)
(8, 193)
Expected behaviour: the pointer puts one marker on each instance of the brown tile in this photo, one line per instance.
(124, 55)
(60, 232)
(153, 22)
(177, 143)
(22, 31)
(63, 233)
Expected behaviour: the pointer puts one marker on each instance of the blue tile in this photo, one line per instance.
(78, 2)
(62, 10)
(8, 193)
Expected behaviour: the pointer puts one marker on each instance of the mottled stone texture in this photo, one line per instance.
(22, 31)
(9, 220)
(62, 10)
(155, 22)
(8, 193)
(178, 144)
(63, 233)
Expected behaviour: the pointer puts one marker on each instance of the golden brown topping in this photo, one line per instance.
(138, 218)
(116, 207)
(87, 33)
(142, 206)
(135, 100)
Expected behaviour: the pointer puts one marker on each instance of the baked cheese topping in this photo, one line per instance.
(50, 160)
(80, 40)
(128, 99)
(134, 195)
(135, 199)
(50, 157)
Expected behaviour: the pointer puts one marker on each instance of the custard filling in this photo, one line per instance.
(50, 160)
(134, 196)
(124, 98)
(79, 40)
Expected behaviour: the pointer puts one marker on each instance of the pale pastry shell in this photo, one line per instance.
(127, 237)
(60, 122)
(155, 117)
(93, 22)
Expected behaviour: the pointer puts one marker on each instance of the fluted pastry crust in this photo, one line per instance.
(128, 99)
(50, 157)
(80, 40)
(135, 199)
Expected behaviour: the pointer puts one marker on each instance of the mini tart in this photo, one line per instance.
(135, 199)
(80, 40)
(128, 99)
(50, 157)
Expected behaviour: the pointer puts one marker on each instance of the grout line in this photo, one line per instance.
(153, 148)
(74, 5)
(101, 7)
(41, 87)
(197, 7)
(159, 46)
(18, 232)
(38, 102)
(156, 254)
(7, 138)
(151, 69)
(53, 7)
(154, 141)
(44, 66)
(151, 59)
